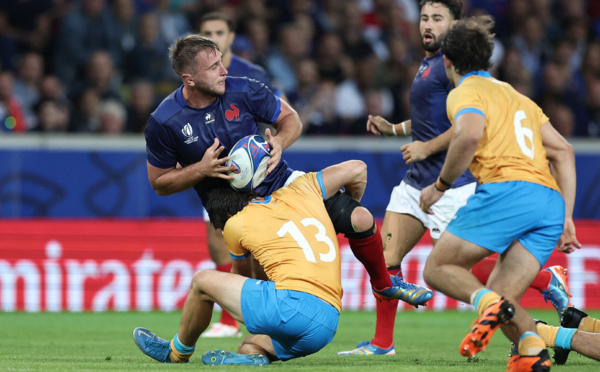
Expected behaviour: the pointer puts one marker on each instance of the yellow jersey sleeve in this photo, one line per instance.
(462, 102)
(233, 238)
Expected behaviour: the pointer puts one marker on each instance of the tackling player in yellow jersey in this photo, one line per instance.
(517, 211)
(294, 313)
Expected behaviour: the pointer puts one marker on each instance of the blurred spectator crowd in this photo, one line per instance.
(101, 66)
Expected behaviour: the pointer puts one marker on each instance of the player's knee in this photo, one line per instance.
(196, 279)
(199, 279)
(340, 207)
(362, 219)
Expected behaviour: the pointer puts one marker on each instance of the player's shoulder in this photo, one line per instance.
(237, 84)
(169, 106)
(310, 183)
(243, 67)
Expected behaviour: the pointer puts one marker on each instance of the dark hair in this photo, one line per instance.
(225, 202)
(216, 16)
(454, 6)
(469, 44)
(185, 50)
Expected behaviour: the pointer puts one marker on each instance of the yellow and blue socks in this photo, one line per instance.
(484, 298)
(531, 343)
(556, 336)
(180, 353)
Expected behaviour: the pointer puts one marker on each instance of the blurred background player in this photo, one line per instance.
(508, 143)
(404, 223)
(220, 28)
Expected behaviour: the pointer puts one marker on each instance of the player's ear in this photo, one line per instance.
(187, 79)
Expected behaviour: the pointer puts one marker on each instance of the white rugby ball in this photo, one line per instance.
(250, 155)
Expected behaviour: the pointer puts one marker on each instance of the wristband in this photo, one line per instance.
(440, 186)
(404, 128)
(394, 130)
(447, 184)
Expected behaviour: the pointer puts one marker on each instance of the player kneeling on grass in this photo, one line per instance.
(296, 312)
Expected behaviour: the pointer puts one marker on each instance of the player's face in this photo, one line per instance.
(209, 78)
(435, 21)
(219, 32)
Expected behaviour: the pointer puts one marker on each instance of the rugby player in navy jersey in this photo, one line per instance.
(197, 124)
(404, 222)
(219, 28)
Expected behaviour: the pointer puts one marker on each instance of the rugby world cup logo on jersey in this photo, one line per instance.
(188, 132)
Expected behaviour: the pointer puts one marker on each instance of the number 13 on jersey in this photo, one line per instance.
(295, 232)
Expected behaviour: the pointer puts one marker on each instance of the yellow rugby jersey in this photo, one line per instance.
(292, 237)
(511, 148)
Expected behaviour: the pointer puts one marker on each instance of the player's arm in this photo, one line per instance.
(381, 127)
(167, 181)
(469, 128)
(468, 131)
(351, 175)
(242, 259)
(242, 266)
(418, 150)
(289, 128)
(562, 159)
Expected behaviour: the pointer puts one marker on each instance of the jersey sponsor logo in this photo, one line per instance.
(209, 118)
(233, 114)
(188, 131)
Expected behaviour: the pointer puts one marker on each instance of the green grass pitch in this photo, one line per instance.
(425, 341)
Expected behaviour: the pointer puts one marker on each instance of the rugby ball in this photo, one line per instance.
(249, 155)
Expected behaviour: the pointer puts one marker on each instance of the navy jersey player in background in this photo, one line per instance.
(405, 223)
(197, 124)
(220, 29)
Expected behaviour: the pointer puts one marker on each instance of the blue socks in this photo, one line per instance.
(564, 337)
(181, 347)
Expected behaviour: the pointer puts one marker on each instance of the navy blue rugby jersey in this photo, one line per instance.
(242, 67)
(429, 119)
(178, 133)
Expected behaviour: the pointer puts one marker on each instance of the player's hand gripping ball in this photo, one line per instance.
(250, 156)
